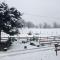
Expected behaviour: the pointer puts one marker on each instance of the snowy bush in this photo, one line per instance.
(12, 39)
(32, 44)
(42, 44)
(5, 49)
(34, 38)
(25, 47)
(30, 33)
(38, 45)
(24, 42)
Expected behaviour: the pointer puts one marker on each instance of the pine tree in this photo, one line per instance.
(10, 18)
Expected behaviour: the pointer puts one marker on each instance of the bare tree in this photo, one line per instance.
(56, 25)
(30, 24)
(46, 25)
(40, 25)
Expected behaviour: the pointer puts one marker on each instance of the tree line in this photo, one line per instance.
(46, 25)
(30, 24)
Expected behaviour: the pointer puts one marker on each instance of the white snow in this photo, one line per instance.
(38, 54)
(41, 32)
(17, 51)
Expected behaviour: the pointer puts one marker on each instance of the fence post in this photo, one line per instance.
(39, 40)
(56, 45)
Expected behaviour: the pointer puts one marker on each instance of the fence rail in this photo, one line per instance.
(50, 39)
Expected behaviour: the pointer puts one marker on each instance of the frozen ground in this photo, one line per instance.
(47, 53)
(17, 51)
(36, 31)
(40, 32)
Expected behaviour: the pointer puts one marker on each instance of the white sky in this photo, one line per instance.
(38, 11)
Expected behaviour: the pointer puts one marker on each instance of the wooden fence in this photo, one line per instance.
(41, 40)
(45, 40)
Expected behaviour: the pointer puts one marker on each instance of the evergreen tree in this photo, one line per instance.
(10, 18)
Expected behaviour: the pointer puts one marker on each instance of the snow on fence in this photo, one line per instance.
(45, 40)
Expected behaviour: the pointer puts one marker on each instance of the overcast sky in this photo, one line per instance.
(38, 11)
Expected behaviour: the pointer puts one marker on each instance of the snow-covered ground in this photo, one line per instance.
(36, 31)
(18, 52)
(47, 53)
(41, 32)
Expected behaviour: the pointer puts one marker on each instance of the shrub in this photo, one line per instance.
(25, 47)
(38, 45)
(30, 33)
(42, 44)
(23, 41)
(34, 38)
(12, 39)
(32, 44)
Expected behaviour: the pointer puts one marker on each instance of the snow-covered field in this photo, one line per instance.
(18, 52)
(37, 31)
(41, 32)
(47, 53)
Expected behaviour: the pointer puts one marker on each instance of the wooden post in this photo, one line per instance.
(56, 50)
(39, 40)
(56, 45)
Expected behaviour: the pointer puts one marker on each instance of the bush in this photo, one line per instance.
(25, 47)
(34, 38)
(12, 39)
(32, 44)
(38, 45)
(30, 33)
(42, 44)
(23, 42)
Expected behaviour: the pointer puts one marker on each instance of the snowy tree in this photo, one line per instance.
(10, 18)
